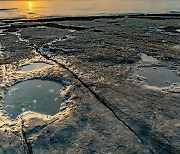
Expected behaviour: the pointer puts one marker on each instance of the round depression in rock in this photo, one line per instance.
(159, 77)
(33, 66)
(41, 96)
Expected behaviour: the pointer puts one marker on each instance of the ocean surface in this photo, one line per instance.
(49, 8)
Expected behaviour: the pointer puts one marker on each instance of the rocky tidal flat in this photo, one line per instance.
(97, 84)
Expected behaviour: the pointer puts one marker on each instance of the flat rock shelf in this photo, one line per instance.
(113, 82)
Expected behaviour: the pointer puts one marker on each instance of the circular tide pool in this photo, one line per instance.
(40, 96)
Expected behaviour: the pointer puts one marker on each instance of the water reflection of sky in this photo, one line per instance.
(31, 9)
(39, 96)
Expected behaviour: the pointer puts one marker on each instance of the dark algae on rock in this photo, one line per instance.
(97, 84)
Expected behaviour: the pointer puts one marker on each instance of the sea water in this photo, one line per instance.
(44, 8)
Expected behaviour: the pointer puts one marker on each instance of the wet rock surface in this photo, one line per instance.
(107, 106)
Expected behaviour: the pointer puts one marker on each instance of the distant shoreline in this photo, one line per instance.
(155, 16)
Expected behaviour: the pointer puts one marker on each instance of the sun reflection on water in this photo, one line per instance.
(30, 7)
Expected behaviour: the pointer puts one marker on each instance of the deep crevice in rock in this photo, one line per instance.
(138, 128)
(98, 97)
(25, 140)
(41, 127)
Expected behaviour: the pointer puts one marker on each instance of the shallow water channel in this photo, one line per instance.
(40, 96)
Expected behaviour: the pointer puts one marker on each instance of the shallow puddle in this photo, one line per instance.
(159, 77)
(148, 58)
(33, 66)
(40, 96)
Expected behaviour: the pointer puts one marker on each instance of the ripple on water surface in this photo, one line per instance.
(40, 96)
(33, 66)
(159, 77)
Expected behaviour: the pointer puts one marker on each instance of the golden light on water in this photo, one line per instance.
(30, 5)
(30, 9)
(45, 8)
